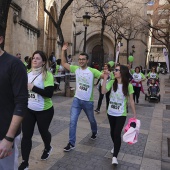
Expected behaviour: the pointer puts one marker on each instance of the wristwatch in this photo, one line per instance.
(9, 139)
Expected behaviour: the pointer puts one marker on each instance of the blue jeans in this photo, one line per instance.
(76, 108)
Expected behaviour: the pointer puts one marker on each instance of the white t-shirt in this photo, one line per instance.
(137, 77)
(118, 102)
(153, 75)
(37, 102)
(85, 82)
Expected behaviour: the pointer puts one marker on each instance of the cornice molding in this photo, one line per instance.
(15, 6)
(30, 27)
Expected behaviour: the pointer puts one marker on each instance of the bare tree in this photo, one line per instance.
(101, 10)
(131, 29)
(158, 25)
(57, 25)
(128, 26)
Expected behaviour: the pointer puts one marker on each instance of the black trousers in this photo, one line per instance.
(136, 93)
(101, 98)
(116, 126)
(43, 120)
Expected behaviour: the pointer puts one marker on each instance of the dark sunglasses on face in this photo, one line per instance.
(116, 70)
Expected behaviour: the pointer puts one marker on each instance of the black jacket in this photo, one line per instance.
(13, 91)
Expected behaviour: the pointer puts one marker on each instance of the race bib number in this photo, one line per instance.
(116, 106)
(33, 96)
(83, 87)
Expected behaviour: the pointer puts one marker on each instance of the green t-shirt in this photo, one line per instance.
(118, 102)
(85, 81)
(57, 68)
(25, 63)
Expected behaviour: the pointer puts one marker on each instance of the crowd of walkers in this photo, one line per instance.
(26, 95)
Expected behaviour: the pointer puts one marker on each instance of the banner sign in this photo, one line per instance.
(117, 52)
(165, 53)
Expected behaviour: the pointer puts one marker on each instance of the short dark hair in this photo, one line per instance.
(137, 68)
(85, 54)
(58, 61)
(26, 58)
(108, 65)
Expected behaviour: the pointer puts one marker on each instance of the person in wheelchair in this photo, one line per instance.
(153, 89)
(152, 75)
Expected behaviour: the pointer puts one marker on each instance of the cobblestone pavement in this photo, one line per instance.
(149, 153)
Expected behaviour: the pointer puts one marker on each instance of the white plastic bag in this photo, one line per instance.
(131, 135)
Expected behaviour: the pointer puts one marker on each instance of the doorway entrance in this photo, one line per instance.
(97, 55)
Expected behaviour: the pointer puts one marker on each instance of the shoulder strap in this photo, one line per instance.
(35, 78)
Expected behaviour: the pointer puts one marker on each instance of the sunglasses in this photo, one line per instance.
(116, 70)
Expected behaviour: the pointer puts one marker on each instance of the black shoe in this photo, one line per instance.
(137, 101)
(46, 153)
(69, 147)
(94, 136)
(24, 166)
(97, 110)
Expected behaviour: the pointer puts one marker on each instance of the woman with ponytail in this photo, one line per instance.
(121, 89)
(40, 107)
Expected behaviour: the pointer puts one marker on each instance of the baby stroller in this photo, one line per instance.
(150, 81)
(153, 91)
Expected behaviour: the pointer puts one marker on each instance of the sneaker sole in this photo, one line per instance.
(69, 149)
(93, 138)
(48, 155)
(97, 111)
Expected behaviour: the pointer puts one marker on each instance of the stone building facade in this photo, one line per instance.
(29, 28)
(159, 17)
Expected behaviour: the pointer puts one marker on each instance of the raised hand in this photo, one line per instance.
(65, 46)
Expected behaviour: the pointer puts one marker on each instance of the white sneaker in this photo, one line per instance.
(112, 150)
(114, 161)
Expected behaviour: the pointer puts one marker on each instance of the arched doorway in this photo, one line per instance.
(97, 54)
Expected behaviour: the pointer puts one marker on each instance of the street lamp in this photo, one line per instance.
(119, 38)
(152, 60)
(86, 20)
